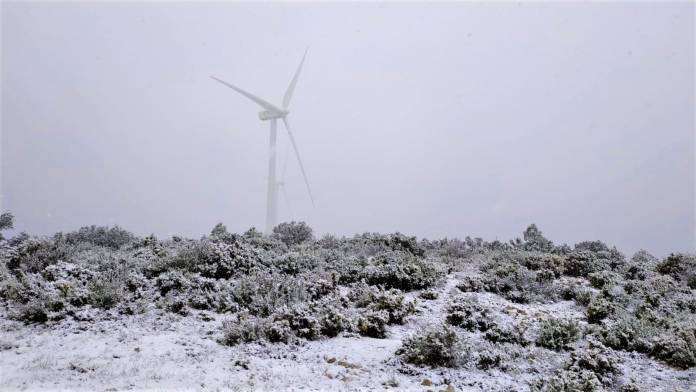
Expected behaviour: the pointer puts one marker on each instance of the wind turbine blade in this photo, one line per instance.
(297, 153)
(288, 201)
(253, 97)
(291, 88)
(285, 165)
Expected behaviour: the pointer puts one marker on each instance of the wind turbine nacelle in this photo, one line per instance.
(269, 115)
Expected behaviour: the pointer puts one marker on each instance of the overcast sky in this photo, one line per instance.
(435, 120)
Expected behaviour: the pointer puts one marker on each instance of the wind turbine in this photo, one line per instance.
(272, 113)
(281, 183)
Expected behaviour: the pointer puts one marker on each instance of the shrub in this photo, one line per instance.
(402, 271)
(535, 241)
(434, 346)
(113, 238)
(6, 222)
(334, 322)
(544, 261)
(582, 263)
(300, 320)
(465, 312)
(372, 323)
(600, 279)
(677, 265)
(472, 284)
(279, 331)
(628, 333)
(498, 334)
(597, 359)
(591, 246)
(557, 334)
(488, 358)
(677, 348)
(599, 309)
(293, 233)
(244, 329)
(428, 295)
(33, 312)
(224, 259)
(376, 298)
(568, 381)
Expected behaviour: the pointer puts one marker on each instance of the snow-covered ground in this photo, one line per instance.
(162, 351)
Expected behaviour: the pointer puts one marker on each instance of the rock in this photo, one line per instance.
(426, 383)
(448, 389)
(330, 360)
(346, 365)
(137, 349)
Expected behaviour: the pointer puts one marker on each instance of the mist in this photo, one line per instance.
(434, 120)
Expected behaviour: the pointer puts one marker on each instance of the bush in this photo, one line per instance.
(402, 271)
(600, 279)
(498, 334)
(244, 329)
(582, 263)
(473, 284)
(591, 246)
(677, 347)
(599, 309)
(6, 222)
(293, 233)
(428, 295)
(434, 346)
(334, 322)
(597, 359)
(465, 312)
(568, 381)
(113, 238)
(677, 265)
(392, 301)
(224, 259)
(628, 333)
(372, 323)
(557, 334)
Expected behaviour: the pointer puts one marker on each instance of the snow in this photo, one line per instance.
(158, 351)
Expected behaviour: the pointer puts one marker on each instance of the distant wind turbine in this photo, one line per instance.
(281, 183)
(272, 113)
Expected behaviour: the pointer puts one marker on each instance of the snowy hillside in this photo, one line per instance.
(99, 309)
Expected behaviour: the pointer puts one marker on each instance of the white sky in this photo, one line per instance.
(436, 120)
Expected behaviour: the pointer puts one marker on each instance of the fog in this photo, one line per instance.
(435, 120)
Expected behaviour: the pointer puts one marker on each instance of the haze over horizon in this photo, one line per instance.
(431, 119)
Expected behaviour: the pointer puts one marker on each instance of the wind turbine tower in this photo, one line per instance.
(273, 113)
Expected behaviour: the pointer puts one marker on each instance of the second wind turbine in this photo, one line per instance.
(272, 113)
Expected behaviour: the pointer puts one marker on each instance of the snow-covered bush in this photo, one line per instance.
(600, 279)
(567, 381)
(557, 334)
(596, 358)
(113, 238)
(372, 323)
(299, 319)
(392, 301)
(582, 263)
(334, 322)
(244, 329)
(402, 271)
(434, 346)
(293, 233)
(472, 284)
(506, 334)
(676, 347)
(428, 294)
(681, 267)
(598, 309)
(628, 333)
(466, 312)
